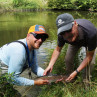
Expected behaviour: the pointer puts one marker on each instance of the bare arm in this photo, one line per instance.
(54, 57)
(85, 62)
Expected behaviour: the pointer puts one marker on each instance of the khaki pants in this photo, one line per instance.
(69, 60)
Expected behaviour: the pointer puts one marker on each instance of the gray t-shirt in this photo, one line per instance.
(87, 35)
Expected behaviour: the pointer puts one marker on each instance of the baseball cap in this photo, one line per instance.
(38, 29)
(64, 22)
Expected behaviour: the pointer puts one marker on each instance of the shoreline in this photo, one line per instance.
(32, 10)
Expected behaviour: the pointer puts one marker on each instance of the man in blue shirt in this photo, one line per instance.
(77, 33)
(15, 56)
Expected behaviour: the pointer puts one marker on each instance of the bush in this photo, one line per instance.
(25, 4)
(6, 89)
(73, 4)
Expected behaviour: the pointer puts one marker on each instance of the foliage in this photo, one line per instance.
(50, 4)
(6, 89)
(22, 4)
(93, 6)
(83, 5)
(25, 4)
(4, 5)
(73, 4)
(61, 4)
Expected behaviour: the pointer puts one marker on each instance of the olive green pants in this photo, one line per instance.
(69, 60)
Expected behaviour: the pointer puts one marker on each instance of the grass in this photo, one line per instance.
(68, 90)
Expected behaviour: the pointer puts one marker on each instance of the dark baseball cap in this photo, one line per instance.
(64, 22)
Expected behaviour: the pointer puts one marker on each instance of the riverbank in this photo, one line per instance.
(22, 5)
(40, 5)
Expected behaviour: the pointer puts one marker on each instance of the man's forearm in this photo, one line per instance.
(84, 63)
(17, 80)
(87, 60)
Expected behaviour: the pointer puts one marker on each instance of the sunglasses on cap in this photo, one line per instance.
(39, 36)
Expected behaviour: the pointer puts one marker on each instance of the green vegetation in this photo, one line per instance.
(30, 5)
(73, 4)
(9, 5)
(76, 89)
(26, 4)
(6, 89)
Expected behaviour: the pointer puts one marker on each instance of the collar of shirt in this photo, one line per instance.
(81, 33)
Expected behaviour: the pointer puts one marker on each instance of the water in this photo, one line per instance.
(15, 25)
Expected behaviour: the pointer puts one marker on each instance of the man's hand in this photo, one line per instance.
(48, 70)
(59, 80)
(54, 57)
(72, 76)
(41, 82)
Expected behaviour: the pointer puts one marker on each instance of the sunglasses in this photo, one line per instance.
(64, 32)
(39, 36)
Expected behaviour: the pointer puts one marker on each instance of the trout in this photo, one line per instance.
(53, 78)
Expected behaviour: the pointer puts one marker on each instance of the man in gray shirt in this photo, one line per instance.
(77, 33)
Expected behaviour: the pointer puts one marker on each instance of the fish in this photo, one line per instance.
(52, 78)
